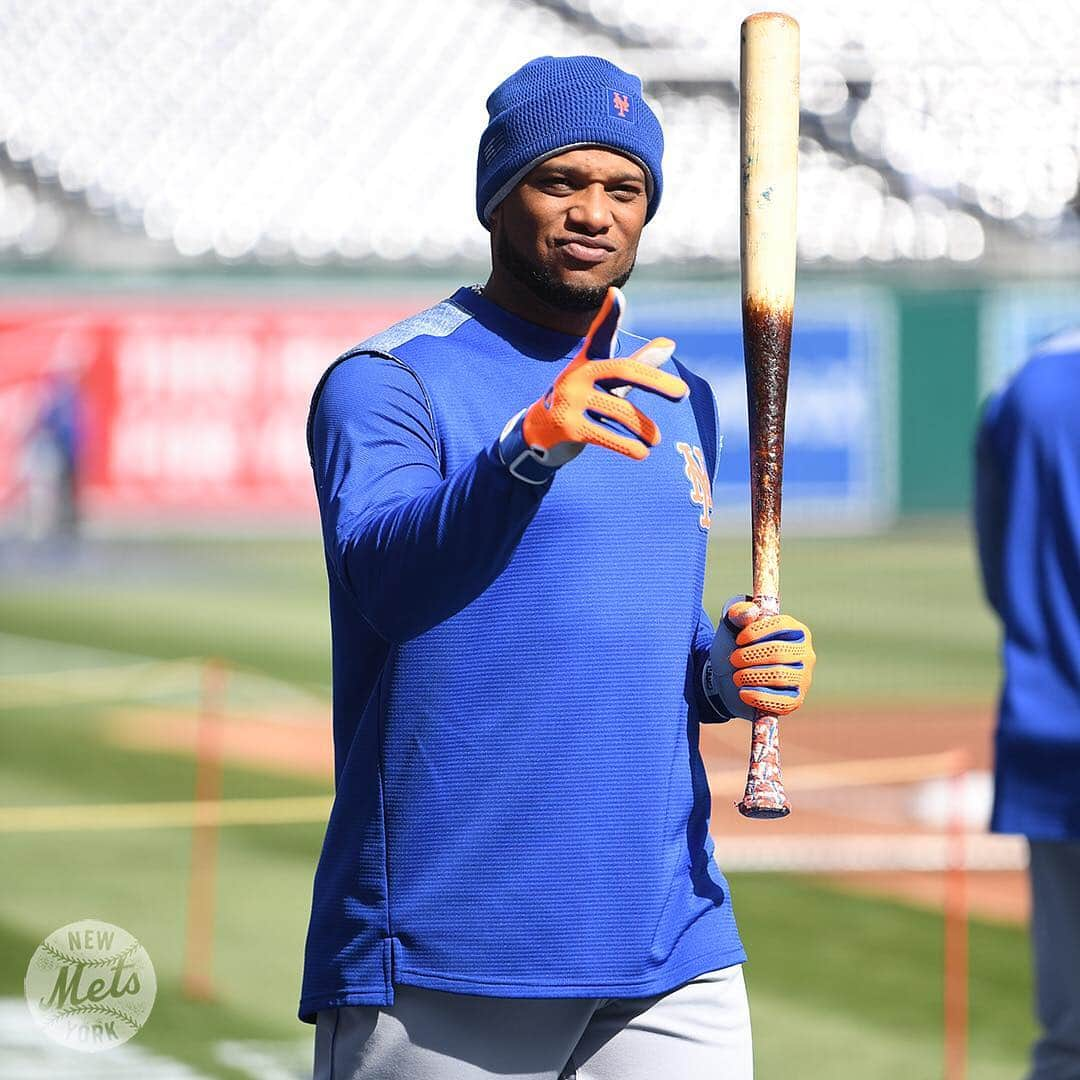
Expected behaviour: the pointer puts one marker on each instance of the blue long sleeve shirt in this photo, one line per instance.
(1028, 522)
(521, 808)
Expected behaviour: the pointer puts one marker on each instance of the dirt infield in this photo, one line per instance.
(298, 743)
(291, 743)
(834, 735)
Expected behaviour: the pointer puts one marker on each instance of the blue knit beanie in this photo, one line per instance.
(559, 103)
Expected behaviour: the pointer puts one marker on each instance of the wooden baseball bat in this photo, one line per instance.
(769, 153)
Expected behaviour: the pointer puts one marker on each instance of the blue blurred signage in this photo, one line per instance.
(840, 458)
(1014, 320)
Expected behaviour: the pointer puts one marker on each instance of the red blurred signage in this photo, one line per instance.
(186, 409)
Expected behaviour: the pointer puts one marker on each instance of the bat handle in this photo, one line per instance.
(764, 796)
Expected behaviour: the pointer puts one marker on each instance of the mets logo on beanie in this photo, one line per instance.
(557, 103)
(621, 105)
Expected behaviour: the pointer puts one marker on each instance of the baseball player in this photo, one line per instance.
(1028, 521)
(517, 879)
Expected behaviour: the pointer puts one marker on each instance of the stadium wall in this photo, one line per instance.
(196, 386)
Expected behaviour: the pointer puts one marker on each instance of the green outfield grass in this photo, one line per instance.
(841, 986)
(898, 616)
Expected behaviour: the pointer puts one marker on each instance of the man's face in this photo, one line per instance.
(571, 227)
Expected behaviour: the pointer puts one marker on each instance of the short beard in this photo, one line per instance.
(545, 286)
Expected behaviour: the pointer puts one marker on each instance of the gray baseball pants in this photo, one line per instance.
(699, 1031)
(1055, 939)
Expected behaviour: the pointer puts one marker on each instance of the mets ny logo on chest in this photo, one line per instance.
(90, 985)
(700, 486)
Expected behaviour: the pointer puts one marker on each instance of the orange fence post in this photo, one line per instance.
(202, 873)
(956, 927)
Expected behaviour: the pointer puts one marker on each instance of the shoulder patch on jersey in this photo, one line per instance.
(441, 320)
(1065, 341)
(438, 321)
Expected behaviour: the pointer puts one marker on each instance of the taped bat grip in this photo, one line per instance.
(765, 797)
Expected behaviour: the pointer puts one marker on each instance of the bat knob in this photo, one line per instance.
(763, 813)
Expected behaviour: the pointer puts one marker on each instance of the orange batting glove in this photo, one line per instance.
(758, 662)
(584, 405)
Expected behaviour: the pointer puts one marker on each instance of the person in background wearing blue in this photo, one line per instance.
(52, 456)
(1027, 512)
(517, 878)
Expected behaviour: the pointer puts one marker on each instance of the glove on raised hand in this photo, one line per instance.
(758, 662)
(585, 404)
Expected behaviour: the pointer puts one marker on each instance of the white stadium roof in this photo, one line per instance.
(346, 130)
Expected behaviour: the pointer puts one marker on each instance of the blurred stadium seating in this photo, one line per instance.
(323, 132)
